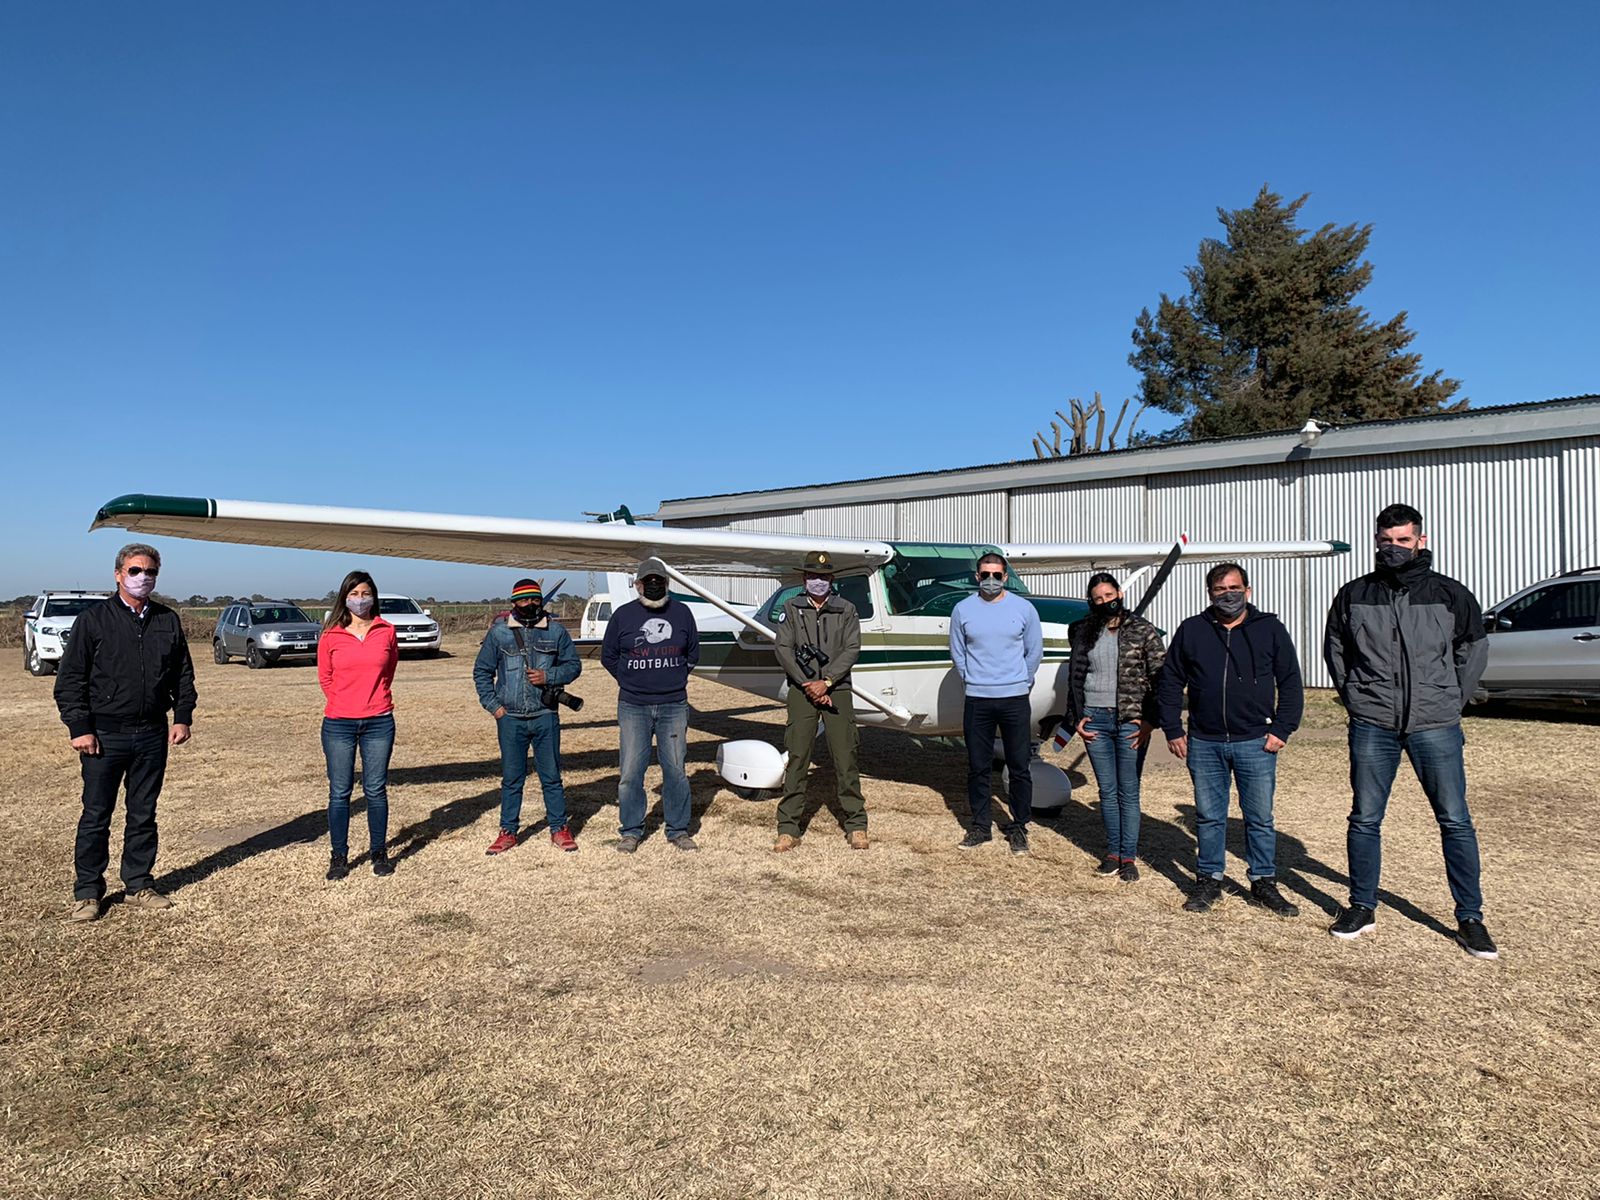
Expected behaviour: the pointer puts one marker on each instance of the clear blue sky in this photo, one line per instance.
(535, 258)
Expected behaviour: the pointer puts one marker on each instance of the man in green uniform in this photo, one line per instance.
(819, 640)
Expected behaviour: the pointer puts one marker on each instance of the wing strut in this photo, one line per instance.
(896, 713)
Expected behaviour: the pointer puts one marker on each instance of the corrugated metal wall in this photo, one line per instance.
(1498, 518)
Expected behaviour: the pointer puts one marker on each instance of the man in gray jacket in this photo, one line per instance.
(819, 640)
(1406, 648)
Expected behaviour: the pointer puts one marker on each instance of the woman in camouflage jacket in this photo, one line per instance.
(1116, 662)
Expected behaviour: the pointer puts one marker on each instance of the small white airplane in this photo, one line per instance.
(904, 591)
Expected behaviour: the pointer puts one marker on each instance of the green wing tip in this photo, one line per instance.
(1340, 547)
(113, 512)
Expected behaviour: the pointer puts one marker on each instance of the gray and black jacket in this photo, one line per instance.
(1405, 648)
(835, 629)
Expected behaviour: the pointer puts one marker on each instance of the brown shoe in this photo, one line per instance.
(858, 840)
(84, 910)
(149, 900)
(785, 842)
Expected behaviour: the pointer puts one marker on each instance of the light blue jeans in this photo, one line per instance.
(668, 724)
(1117, 766)
(1214, 766)
(340, 738)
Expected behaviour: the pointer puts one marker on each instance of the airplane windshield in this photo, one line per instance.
(929, 580)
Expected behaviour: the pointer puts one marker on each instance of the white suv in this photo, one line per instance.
(48, 625)
(414, 626)
(1544, 642)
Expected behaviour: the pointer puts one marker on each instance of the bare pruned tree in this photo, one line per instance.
(1078, 422)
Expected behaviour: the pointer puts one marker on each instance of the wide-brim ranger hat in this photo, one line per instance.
(526, 590)
(819, 562)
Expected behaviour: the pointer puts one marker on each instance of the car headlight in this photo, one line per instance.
(271, 639)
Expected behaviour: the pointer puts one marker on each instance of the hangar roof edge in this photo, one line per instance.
(1532, 421)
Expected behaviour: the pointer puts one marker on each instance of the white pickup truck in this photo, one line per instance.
(48, 625)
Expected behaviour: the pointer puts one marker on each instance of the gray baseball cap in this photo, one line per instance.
(651, 566)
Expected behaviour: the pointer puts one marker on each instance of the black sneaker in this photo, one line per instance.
(1128, 872)
(381, 864)
(1353, 922)
(973, 840)
(338, 866)
(1207, 891)
(1017, 839)
(684, 843)
(1265, 893)
(1475, 940)
(627, 844)
(1109, 865)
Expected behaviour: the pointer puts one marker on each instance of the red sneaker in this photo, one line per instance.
(562, 839)
(501, 844)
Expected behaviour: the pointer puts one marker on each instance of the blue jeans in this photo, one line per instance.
(1012, 716)
(1213, 766)
(375, 737)
(1117, 766)
(1436, 757)
(544, 735)
(669, 724)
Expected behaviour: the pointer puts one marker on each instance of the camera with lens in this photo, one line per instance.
(556, 693)
(810, 659)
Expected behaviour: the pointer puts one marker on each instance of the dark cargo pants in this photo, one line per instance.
(839, 727)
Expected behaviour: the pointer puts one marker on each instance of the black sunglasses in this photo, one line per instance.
(991, 574)
(135, 572)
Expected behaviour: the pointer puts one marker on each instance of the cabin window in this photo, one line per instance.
(854, 588)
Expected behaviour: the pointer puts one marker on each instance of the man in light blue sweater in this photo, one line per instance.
(997, 644)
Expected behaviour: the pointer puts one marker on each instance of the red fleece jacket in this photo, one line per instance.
(355, 674)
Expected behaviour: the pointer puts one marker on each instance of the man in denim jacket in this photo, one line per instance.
(524, 653)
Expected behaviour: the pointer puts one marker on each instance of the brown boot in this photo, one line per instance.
(858, 840)
(785, 843)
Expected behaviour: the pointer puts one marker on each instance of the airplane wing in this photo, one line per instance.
(490, 541)
(1090, 556)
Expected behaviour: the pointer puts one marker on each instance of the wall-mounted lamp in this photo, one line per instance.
(1311, 433)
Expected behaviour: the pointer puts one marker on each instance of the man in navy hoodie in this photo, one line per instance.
(1245, 700)
(651, 645)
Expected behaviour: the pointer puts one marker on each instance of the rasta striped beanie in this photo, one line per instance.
(527, 591)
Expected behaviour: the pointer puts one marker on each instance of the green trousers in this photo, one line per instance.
(839, 727)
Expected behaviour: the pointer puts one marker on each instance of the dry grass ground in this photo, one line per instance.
(912, 1021)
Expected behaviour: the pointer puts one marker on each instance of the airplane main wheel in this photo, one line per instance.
(745, 793)
(218, 654)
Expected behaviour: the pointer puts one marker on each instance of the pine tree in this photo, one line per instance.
(1270, 334)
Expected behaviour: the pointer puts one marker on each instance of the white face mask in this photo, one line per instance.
(819, 587)
(359, 606)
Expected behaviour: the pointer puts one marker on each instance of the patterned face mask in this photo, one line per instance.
(359, 606)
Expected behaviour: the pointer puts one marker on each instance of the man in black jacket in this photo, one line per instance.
(126, 665)
(1406, 649)
(1245, 700)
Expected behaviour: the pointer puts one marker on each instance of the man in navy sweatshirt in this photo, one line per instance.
(651, 645)
(1245, 700)
(996, 644)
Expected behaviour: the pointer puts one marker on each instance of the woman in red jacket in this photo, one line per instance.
(355, 665)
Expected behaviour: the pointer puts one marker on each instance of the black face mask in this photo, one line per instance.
(528, 614)
(1395, 557)
(1107, 610)
(655, 588)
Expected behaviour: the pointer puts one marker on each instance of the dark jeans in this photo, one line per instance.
(1212, 766)
(140, 760)
(668, 725)
(340, 738)
(1117, 766)
(800, 737)
(1437, 759)
(543, 734)
(1012, 716)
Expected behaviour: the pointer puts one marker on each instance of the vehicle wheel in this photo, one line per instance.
(745, 793)
(36, 665)
(253, 658)
(218, 654)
